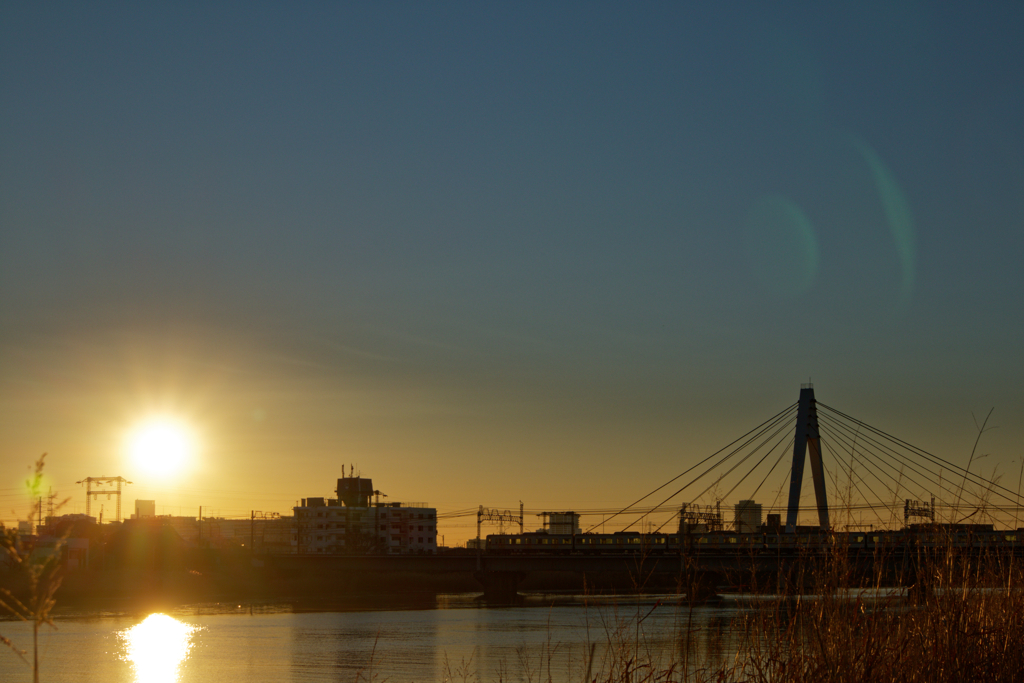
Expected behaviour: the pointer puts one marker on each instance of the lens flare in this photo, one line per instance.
(157, 647)
(782, 246)
(898, 215)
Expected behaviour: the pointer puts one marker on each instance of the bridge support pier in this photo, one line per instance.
(499, 587)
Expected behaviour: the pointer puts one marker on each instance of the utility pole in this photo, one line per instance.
(479, 545)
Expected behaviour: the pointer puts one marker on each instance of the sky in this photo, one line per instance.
(497, 252)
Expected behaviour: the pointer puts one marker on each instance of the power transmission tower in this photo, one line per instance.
(103, 483)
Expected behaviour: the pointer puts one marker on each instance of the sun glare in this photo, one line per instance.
(157, 647)
(161, 446)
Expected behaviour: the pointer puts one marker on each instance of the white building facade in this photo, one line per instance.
(353, 525)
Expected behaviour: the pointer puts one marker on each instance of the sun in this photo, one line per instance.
(161, 446)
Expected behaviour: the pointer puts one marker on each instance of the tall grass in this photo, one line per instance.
(961, 620)
(30, 580)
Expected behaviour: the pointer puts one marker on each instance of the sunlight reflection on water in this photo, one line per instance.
(157, 647)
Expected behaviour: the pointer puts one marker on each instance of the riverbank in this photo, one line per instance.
(241, 579)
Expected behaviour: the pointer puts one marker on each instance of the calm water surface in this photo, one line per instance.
(449, 637)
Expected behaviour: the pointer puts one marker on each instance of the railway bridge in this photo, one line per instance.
(699, 554)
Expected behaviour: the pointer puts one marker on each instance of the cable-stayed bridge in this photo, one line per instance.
(863, 478)
(880, 504)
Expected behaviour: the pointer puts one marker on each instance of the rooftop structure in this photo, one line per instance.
(144, 508)
(352, 524)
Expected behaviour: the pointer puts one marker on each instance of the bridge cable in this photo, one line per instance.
(853, 459)
(876, 460)
(777, 461)
(877, 453)
(782, 425)
(937, 481)
(780, 457)
(759, 462)
(789, 477)
(849, 506)
(871, 471)
(906, 462)
(934, 479)
(687, 471)
(977, 478)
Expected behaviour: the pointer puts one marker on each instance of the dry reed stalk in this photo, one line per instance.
(40, 575)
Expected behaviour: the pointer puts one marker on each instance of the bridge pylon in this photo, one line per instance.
(807, 438)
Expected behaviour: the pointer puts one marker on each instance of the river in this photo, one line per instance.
(436, 638)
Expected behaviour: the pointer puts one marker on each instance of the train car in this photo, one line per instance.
(766, 541)
(618, 543)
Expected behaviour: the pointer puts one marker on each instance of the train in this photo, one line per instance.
(766, 540)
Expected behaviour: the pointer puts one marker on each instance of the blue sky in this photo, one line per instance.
(482, 250)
